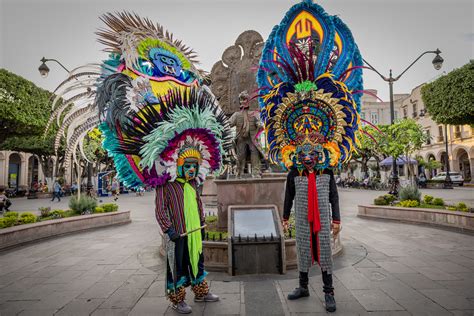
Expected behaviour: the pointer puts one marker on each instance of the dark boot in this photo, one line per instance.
(330, 302)
(301, 291)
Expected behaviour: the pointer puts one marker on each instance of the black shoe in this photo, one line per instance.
(297, 293)
(330, 302)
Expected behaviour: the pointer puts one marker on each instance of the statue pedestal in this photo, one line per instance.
(262, 191)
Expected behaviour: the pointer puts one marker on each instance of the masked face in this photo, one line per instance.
(308, 155)
(189, 169)
(166, 64)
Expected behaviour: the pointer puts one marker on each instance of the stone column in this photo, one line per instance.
(23, 171)
(471, 165)
(3, 169)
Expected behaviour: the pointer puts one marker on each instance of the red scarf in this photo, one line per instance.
(313, 207)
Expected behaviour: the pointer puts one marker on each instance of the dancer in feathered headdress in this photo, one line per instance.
(162, 128)
(309, 78)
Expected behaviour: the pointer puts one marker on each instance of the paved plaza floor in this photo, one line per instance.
(386, 268)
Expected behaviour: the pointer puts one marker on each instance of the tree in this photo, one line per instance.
(449, 98)
(24, 107)
(368, 148)
(403, 138)
(24, 112)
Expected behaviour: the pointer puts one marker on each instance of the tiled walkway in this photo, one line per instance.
(386, 268)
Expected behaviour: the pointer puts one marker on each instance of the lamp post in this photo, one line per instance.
(437, 63)
(448, 184)
(44, 71)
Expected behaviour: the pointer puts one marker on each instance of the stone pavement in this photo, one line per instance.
(387, 268)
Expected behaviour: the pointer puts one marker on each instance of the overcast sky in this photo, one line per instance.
(390, 33)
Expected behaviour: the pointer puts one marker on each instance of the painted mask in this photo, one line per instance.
(189, 170)
(308, 155)
(166, 63)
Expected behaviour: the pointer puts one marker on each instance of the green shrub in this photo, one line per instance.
(386, 199)
(438, 201)
(409, 192)
(8, 221)
(428, 199)
(110, 207)
(215, 235)
(211, 219)
(390, 198)
(11, 214)
(99, 209)
(409, 203)
(27, 218)
(380, 201)
(44, 211)
(84, 205)
(451, 208)
(462, 207)
(57, 214)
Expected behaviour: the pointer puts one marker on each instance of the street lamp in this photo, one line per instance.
(44, 71)
(437, 64)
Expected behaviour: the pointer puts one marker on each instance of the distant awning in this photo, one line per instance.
(400, 161)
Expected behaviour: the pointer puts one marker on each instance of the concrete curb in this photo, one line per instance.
(22, 234)
(461, 221)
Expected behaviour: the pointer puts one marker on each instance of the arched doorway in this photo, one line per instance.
(14, 168)
(433, 172)
(464, 165)
(33, 167)
(444, 158)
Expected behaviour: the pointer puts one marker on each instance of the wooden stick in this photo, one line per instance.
(194, 230)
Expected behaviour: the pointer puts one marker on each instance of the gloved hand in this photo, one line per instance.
(173, 235)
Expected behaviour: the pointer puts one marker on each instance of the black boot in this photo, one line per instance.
(330, 302)
(301, 291)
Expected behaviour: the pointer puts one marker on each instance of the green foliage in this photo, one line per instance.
(380, 201)
(110, 207)
(409, 192)
(11, 214)
(44, 211)
(27, 218)
(424, 205)
(403, 138)
(386, 199)
(462, 207)
(438, 201)
(84, 205)
(409, 203)
(429, 165)
(57, 214)
(24, 107)
(449, 98)
(428, 199)
(8, 221)
(99, 209)
(215, 235)
(290, 233)
(211, 219)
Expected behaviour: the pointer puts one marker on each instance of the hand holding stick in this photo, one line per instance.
(194, 230)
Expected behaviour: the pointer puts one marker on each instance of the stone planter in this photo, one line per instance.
(458, 220)
(19, 235)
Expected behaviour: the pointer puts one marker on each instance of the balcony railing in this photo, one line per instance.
(457, 134)
(440, 139)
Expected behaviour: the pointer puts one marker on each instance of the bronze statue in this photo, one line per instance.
(236, 72)
(247, 125)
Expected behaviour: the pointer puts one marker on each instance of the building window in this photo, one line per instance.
(457, 131)
(428, 136)
(440, 133)
(395, 115)
(374, 117)
(405, 112)
(415, 110)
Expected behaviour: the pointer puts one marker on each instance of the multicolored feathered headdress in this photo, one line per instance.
(150, 145)
(149, 103)
(309, 79)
